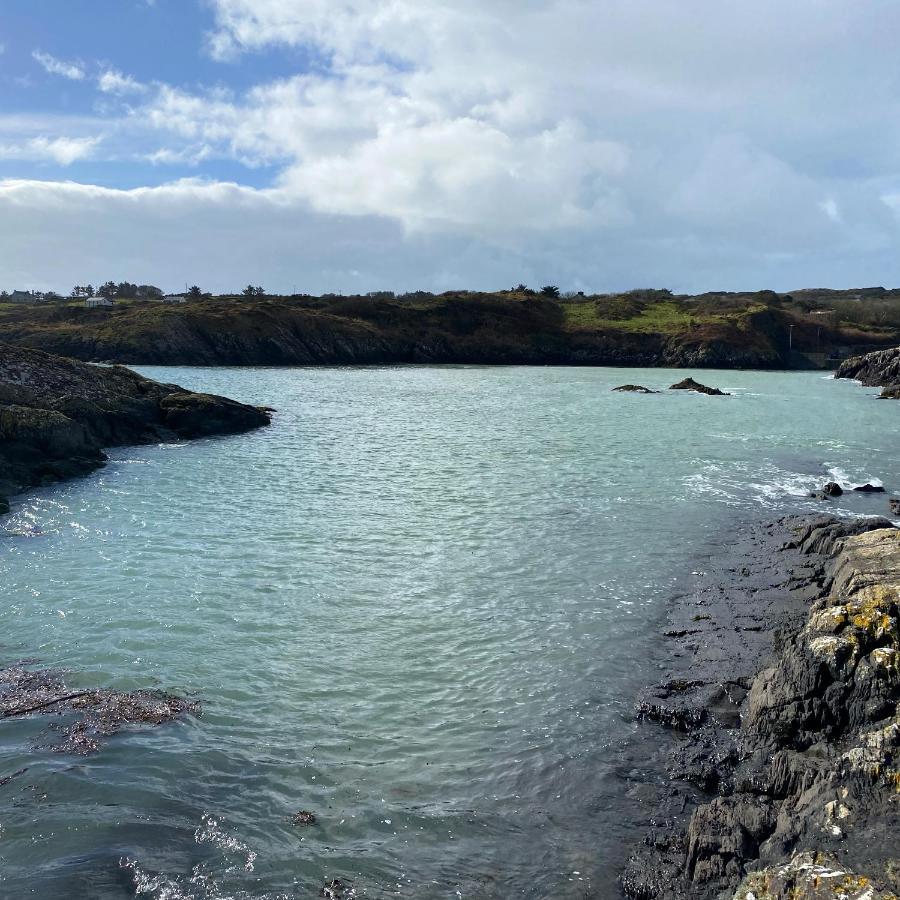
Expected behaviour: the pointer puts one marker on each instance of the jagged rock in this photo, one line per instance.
(894, 504)
(878, 369)
(892, 392)
(690, 385)
(815, 764)
(833, 489)
(869, 489)
(57, 414)
(635, 389)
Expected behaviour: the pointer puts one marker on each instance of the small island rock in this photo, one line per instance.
(634, 389)
(869, 489)
(690, 385)
(833, 489)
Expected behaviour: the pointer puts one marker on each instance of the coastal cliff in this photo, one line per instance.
(508, 328)
(881, 368)
(57, 415)
(782, 767)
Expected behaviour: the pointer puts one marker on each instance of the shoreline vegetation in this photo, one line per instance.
(780, 722)
(812, 329)
(57, 415)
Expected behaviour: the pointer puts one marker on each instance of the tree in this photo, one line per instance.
(107, 290)
(89, 291)
(148, 291)
(249, 291)
(195, 293)
(550, 290)
(125, 290)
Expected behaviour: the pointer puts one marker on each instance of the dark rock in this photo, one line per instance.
(690, 385)
(869, 489)
(304, 817)
(335, 890)
(833, 489)
(819, 495)
(808, 760)
(894, 504)
(891, 392)
(635, 389)
(57, 414)
(878, 369)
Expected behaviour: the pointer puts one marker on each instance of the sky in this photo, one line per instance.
(359, 145)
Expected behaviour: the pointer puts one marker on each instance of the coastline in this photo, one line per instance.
(57, 415)
(757, 768)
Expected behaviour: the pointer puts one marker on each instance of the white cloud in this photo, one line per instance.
(469, 142)
(70, 70)
(112, 81)
(62, 150)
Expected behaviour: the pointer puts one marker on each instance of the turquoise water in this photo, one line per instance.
(420, 605)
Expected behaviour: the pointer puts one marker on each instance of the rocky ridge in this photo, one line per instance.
(57, 415)
(786, 779)
(878, 369)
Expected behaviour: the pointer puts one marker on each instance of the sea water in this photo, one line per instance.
(419, 605)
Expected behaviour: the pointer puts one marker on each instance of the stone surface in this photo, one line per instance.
(57, 415)
(688, 384)
(787, 746)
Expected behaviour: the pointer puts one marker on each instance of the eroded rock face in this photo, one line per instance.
(808, 762)
(878, 369)
(690, 385)
(57, 414)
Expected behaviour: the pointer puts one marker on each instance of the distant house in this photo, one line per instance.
(173, 298)
(99, 301)
(24, 297)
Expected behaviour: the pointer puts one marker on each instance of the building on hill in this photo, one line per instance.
(172, 298)
(92, 302)
(25, 297)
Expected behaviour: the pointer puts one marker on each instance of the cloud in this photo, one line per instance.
(592, 145)
(62, 150)
(70, 70)
(112, 81)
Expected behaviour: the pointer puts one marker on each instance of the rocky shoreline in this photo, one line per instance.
(57, 415)
(777, 722)
(878, 369)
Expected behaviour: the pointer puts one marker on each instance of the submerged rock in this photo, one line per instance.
(635, 389)
(92, 715)
(690, 385)
(894, 504)
(304, 817)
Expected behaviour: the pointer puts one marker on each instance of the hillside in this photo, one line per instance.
(640, 328)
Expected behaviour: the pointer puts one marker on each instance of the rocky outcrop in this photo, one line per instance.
(802, 759)
(878, 369)
(634, 389)
(57, 415)
(688, 384)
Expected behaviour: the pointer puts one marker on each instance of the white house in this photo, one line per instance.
(99, 301)
(174, 298)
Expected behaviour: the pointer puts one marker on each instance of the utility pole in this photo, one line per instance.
(791, 336)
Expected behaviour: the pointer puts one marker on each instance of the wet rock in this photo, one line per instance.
(878, 369)
(304, 817)
(890, 393)
(832, 489)
(690, 385)
(894, 504)
(336, 890)
(57, 414)
(635, 389)
(812, 764)
(869, 489)
(89, 716)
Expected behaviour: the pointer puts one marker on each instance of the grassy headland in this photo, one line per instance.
(647, 328)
